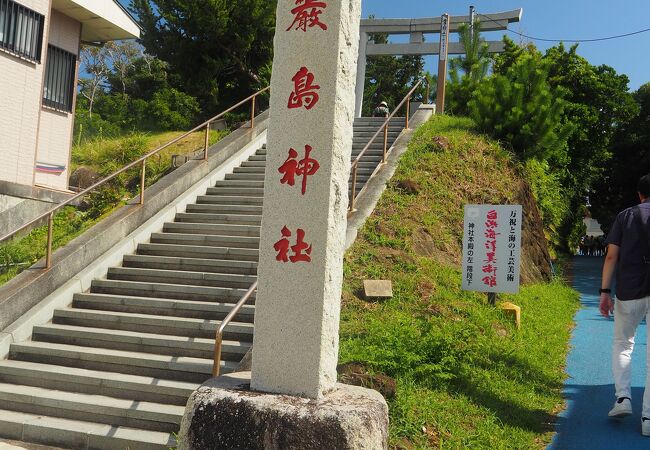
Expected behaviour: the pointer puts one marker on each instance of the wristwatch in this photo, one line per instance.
(604, 291)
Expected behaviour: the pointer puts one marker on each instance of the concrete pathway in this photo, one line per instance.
(589, 390)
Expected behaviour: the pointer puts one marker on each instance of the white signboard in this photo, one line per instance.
(492, 248)
(444, 36)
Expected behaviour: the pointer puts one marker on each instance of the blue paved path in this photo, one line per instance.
(589, 390)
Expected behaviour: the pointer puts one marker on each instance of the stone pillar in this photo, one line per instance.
(361, 73)
(306, 196)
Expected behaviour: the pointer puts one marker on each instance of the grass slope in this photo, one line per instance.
(465, 377)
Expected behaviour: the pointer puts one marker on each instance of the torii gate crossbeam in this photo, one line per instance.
(416, 28)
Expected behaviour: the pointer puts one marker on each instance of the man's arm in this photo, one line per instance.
(606, 304)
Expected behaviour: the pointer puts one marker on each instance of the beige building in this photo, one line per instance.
(39, 68)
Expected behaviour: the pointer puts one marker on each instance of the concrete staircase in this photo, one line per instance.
(115, 368)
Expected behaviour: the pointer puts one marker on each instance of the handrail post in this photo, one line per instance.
(207, 141)
(408, 110)
(354, 187)
(428, 91)
(143, 174)
(216, 365)
(383, 159)
(253, 111)
(50, 232)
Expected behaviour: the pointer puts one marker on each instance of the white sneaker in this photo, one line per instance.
(622, 408)
(645, 426)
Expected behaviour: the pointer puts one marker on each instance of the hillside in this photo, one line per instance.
(456, 371)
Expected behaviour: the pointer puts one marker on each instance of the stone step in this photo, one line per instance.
(200, 252)
(236, 191)
(245, 176)
(247, 169)
(235, 210)
(373, 153)
(240, 183)
(234, 219)
(169, 291)
(254, 163)
(181, 277)
(369, 132)
(96, 408)
(225, 209)
(190, 264)
(113, 384)
(229, 200)
(67, 433)
(206, 240)
(211, 229)
(163, 306)
(147, 323)
(395, 119)
(134, 341)
(257, 157)
(192, 370)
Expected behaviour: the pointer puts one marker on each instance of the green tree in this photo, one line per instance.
(521, 109)
(616, 188)
(598, 102)
(465, 72)
(389, 78)
(216, 49)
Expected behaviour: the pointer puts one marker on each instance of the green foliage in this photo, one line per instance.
(19, 254)
(171, 109)
(465, 72)
(215, 49)
(616, 189)
(128, 90)
(390, 78)
(522, 110)
(552, 200)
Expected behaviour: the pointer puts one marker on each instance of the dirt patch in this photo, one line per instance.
(536, 260)
(357, 374)
(441, 143)
(408, 186)
(423, 243)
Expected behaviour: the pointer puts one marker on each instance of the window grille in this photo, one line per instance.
(21, 30)
(59, 78)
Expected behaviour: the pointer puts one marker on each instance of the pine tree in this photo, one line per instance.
(521, 109)
(465, 72)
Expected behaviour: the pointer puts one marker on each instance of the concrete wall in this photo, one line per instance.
(20, 203)
(21, 84)
(55, 127)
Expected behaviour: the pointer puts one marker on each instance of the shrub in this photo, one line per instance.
(521, 109)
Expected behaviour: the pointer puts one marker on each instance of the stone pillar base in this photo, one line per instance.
(225, 414)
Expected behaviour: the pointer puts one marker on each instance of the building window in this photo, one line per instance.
(59, 79)
(21, 30)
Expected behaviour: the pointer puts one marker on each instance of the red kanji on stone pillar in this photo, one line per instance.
(282, 247)
(306, 15)
(305, 91)
(303, 168)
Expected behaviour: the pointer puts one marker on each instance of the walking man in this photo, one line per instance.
(628, 255)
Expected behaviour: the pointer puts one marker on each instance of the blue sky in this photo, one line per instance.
(553, 19)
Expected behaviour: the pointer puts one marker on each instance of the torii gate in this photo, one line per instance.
(417, 28)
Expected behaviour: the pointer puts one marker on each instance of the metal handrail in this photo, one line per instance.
(216, 364)
(142, 160)
(384, 128)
